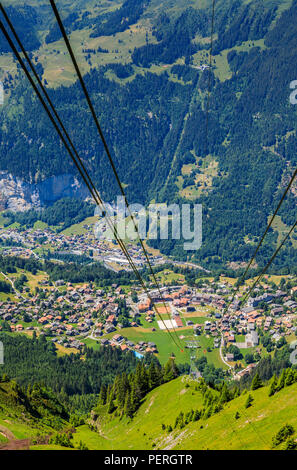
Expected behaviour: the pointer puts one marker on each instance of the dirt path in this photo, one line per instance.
(7, 433)
(13, 443)
(16, 444)
(18, 294)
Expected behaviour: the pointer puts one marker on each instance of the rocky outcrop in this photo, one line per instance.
(18, 195)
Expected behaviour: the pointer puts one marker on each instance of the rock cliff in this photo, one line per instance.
(18, 195)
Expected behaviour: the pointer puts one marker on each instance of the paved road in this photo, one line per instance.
(222, 357)
(190, 265)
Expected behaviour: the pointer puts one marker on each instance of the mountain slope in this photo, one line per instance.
(254, 429)
(26, 416)
(153, 426)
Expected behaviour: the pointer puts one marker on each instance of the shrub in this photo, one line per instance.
(283, 434)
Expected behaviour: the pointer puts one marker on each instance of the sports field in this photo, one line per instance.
(170, 324)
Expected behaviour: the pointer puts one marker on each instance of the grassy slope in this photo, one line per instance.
(253, 430)
(16, 421)
(160, 407)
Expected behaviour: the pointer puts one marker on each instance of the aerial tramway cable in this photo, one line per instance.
(268, 264)
(242, 278)
(58, 18)
(83, 172)
(95, 118)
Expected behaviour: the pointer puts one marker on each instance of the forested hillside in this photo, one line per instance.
(76, 381)
(150, 92)
(208, 419)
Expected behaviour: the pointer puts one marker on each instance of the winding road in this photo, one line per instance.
(18, 294)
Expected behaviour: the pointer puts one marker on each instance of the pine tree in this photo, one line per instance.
(135, 381)
(236, 392)
(141, 382)
(249, 401)
(109, 393)
(208, 412)
(144, 381)
(273, 386)
(135, 401)
(123, 387)
(28, 392)
(116, 385)
(196, 416)
(111, 407)
(282, 380)
(225, 395)
(257, 382)
(128, 409)
(103, 395)
(170, 370)
(290, 378)
(82, 446)
(283, 434)
(154, 377)
(181, 422)
(290, 444)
